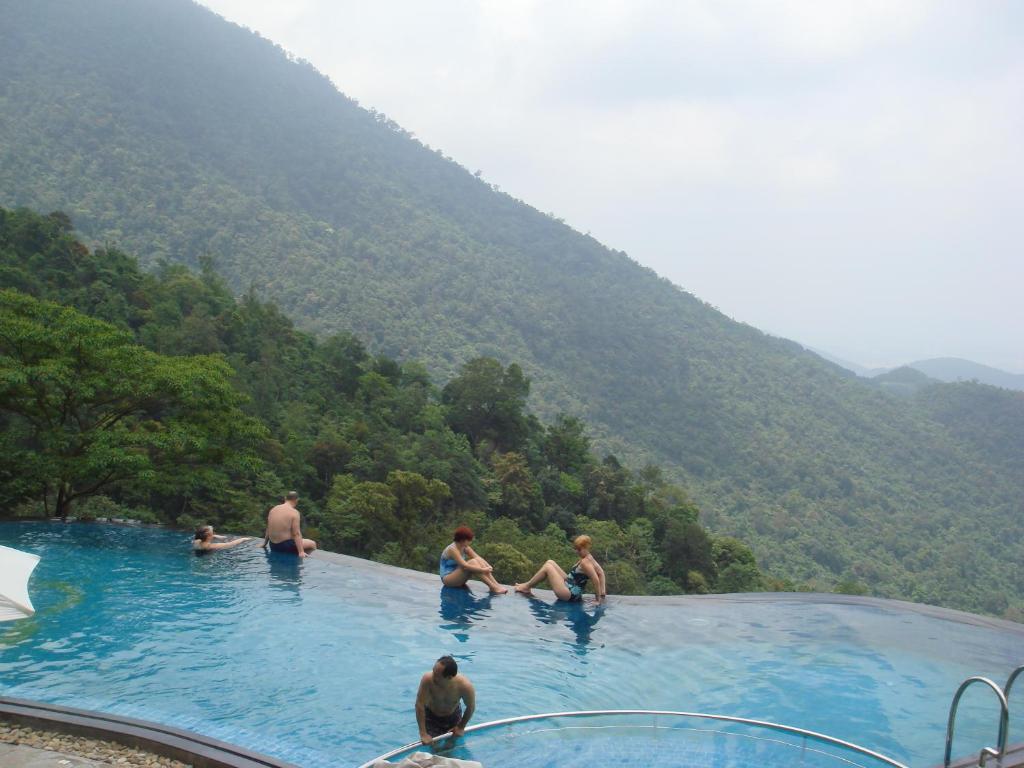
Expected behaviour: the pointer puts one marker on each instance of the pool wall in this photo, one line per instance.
(190, 748)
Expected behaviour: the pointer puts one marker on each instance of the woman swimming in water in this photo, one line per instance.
(569, 586)
(459, 562)
(204, 540)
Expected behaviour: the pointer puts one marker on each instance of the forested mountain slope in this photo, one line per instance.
(160, 396)
(163, 129)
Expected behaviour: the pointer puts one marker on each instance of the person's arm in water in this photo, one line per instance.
(229, 544)
(297, 535)
(266, 533)
(421, 710)
(469, 699)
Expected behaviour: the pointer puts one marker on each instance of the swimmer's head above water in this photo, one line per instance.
(445, 668)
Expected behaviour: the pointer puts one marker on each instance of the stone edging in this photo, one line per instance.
(91, 750)
(164, 741)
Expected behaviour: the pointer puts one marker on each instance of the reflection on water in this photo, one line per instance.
(574, 615)
(62, 595)
(460, 608)
(285, 573)
(215, 644)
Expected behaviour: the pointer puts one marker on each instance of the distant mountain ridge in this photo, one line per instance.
(953, 369)
(158, 126)
(946, 369)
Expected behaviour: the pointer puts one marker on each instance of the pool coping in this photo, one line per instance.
(817, 598)
(185, 746)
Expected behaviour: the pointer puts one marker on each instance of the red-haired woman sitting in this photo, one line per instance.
(459, 562)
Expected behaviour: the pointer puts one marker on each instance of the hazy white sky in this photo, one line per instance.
(846, 174)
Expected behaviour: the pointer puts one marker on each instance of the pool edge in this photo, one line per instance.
(819, 598)
(191, 748)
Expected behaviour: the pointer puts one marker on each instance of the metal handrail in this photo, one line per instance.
(655, 712)
(1010, 680)
(1004, 720)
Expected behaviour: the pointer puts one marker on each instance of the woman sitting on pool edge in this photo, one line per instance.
(459, 562)
(569, 586)
(204, 540)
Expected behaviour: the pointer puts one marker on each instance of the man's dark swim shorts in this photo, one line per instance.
(287, 547)
(436, 725)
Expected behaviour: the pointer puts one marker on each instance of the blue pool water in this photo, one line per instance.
(643, 741)
(317, 663)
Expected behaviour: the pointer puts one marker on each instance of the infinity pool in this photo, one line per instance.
(317, 663)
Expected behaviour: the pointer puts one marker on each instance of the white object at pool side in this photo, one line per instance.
(15, 568)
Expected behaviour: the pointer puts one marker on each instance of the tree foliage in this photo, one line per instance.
(132, 118)
(192, 406)
(85, 408)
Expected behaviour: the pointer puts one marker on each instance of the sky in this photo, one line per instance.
(849, 175)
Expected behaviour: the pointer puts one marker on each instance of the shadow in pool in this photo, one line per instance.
(460, 609)
(574, 615)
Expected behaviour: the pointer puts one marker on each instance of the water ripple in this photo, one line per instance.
(318, 663)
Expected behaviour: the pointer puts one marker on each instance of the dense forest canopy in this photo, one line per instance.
(161, 396)
(162, 129)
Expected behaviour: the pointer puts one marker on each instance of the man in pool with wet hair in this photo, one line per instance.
(438, 707)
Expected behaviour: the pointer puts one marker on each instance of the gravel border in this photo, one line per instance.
(106, 752)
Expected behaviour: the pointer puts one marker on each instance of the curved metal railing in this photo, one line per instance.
(1004, 719)
(657, 713)
(1010, 681)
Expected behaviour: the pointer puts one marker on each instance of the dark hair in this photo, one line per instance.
(201, 532)
(293, 495)
(463, 533)
(450, 668)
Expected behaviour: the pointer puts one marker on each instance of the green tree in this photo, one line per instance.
(418, 504)
(486, 402)
(566, 445)
(739, 577)
(519, 494)
(358, 516)
(686, 549)
(509, 563)
(624, 579)
(85, 408)
(728, 551)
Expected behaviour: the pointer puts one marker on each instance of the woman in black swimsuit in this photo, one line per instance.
(569, 586)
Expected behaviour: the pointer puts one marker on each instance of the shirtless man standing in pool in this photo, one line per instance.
(437, 701)
(283, 533)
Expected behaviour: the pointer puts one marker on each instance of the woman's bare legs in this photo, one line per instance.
(487, 577)
(555, 576)
(460, 576)
(456, 578)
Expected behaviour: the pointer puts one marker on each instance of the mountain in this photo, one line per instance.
(856, 368)
(903, 381)
(952, 369)
(948, 369)
(161, 128)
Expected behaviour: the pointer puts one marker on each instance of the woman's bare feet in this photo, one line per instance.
(499, 591)
(523, 589)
